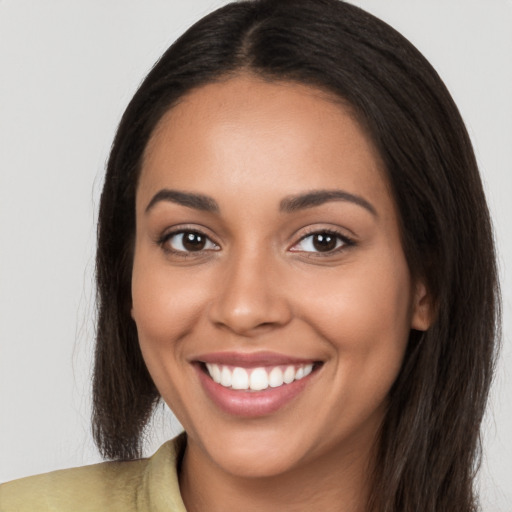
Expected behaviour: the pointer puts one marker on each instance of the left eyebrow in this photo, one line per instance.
(314, 198)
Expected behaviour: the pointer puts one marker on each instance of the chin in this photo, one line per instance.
(251, 462)
(256, 451)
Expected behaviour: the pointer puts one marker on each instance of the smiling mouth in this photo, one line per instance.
(258, 378)
(254, 385)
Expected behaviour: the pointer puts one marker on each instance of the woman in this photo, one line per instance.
(294, 252)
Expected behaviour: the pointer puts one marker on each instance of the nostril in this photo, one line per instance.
(250, 315)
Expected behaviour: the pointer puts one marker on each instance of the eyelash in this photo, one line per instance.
(346, 242)
(164, 239)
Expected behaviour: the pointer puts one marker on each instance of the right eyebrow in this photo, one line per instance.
(188, 199)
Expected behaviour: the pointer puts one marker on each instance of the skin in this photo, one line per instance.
(261, 285)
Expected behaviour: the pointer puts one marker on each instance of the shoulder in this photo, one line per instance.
(87, 488)
(110, 486)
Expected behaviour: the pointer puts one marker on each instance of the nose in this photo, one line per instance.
(251, 297)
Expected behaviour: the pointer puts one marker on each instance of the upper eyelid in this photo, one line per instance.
(175, 230)
(349, 238)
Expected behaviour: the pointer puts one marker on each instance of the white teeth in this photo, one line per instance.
(289, 375)
(275, 379)
(256, 379)
(259, 379)
(308, 369)
(240, 379)
(214, 372)
(225, 377)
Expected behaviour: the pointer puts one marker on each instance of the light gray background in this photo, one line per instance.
(67, 70)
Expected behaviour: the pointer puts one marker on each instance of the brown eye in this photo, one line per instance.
(189, 241)
(193, 241)
(324, 242)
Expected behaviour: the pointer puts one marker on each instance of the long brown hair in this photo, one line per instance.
(429, 442)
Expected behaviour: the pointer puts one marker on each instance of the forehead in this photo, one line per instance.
(245, 131)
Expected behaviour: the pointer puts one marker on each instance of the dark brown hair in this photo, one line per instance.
(429, 442)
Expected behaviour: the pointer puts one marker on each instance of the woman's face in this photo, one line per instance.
(268, 258)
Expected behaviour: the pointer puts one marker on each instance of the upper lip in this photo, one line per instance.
(251, 360)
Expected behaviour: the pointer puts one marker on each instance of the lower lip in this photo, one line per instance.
(251, 404)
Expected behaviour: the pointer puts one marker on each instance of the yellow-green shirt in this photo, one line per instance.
(144, 485)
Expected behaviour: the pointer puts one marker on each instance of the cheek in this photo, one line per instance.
(165, 304)
(367, 326)
(166, 309)
(364, 313)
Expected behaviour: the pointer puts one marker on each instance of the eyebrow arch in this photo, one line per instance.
(318, 197)
(188, 199)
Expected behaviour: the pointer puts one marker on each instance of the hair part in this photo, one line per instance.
(429, 442)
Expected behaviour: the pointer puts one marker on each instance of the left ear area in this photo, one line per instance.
(423, 308)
